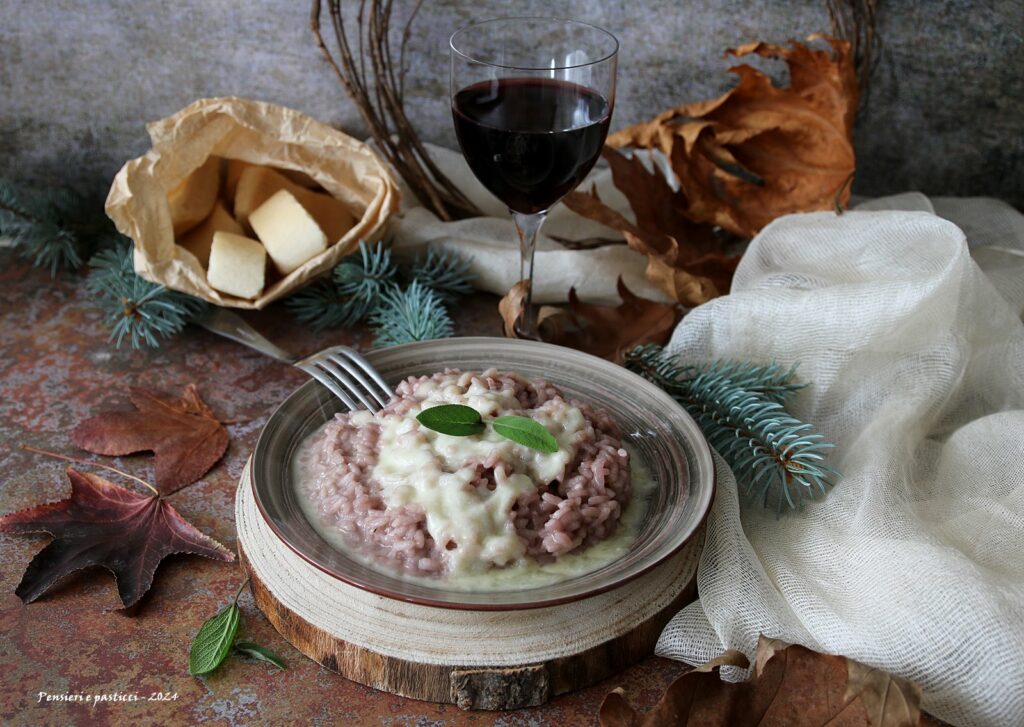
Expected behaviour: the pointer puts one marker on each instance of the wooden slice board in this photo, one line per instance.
(475, 659)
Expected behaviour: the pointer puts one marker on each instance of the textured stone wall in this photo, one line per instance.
(79, 80)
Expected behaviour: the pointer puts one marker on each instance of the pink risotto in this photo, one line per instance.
(430, 503)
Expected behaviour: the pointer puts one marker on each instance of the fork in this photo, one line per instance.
(340, 369)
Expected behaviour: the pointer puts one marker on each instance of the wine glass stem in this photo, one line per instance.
(527, 227)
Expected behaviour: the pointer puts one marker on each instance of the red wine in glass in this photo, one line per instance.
(530, 141)
(531, 101)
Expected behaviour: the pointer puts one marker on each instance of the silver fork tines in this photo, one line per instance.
(348, 376)
(341, 369)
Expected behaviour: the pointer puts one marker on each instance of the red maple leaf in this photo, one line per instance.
(185, 436)
(110, 526)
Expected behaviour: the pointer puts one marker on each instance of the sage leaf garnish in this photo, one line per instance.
(526, 432)
(261, 653)
(213, 642)
(454, 419)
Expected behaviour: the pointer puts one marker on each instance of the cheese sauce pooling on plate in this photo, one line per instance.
(482, 510)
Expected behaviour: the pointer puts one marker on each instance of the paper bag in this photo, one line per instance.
(259, 133)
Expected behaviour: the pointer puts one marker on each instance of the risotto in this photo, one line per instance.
(429, 504)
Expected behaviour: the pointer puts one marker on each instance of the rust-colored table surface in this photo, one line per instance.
(57, 368)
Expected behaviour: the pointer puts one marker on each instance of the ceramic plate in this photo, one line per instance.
(654, 427)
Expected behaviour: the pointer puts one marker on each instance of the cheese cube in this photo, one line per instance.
(237, 265)
(233, 174)
(288, 231)
(199, 239)
(331, 214)
(255, 185)
(193, 200)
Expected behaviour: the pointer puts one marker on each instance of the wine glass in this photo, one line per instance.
(532, 99)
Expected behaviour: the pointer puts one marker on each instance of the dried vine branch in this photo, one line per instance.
(378, 93)
(857, 22)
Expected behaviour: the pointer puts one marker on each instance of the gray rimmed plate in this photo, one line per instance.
(655, 428)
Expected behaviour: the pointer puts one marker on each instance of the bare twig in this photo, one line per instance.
(857, 22)
(18, 212)
(380, 99)
(406, 33)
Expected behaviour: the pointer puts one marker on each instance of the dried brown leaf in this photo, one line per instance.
(616, 711)
(760, 151)
(605, 331)
(103, 524)
(890, 701)
(511, 306)
(685, 259)
(185, 436)
(790, 685)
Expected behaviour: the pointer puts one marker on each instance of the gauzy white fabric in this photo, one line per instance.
(913, 347)
(914, 356)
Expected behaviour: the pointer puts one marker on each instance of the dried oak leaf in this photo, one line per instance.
(511, 307)
(601, 330)
(761, 151)
(183, 433)
(684, 258)
(110, 526)
(791, 685)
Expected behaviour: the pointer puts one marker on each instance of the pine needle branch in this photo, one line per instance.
(444, 272)
(350, 294)
(54, 228)
(367, 282)
(320, 305)
(364, 277)
(771, 381)
(135, 308)
(413, 314)
(776, 458)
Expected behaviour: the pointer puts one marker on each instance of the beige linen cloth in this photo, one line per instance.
(905, 318)
(490, 243)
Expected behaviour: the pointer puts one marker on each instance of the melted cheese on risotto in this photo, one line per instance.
(435, 471)
(481, 511)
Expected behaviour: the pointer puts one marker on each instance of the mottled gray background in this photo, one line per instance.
(78, 80)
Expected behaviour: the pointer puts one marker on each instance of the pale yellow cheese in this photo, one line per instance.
(235, 167)
(433, 471)
(199, 239)
(253, 185)
(288, 231)
(237, 265)
(332, 216)
(193, 200)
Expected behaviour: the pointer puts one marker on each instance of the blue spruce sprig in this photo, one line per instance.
(776, 458)
(443, 271)
(351, 293)
(364, 277)
(320, 305)
(413, 314)
(135, 308)
(54, 228)
(362, 281)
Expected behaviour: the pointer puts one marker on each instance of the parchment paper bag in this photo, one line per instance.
(258, 133)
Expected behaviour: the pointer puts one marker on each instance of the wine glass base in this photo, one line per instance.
(527, 334)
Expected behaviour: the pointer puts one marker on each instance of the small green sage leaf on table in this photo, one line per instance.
(261, 653)
(526, 432)
(454, 419)
(213, 642)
